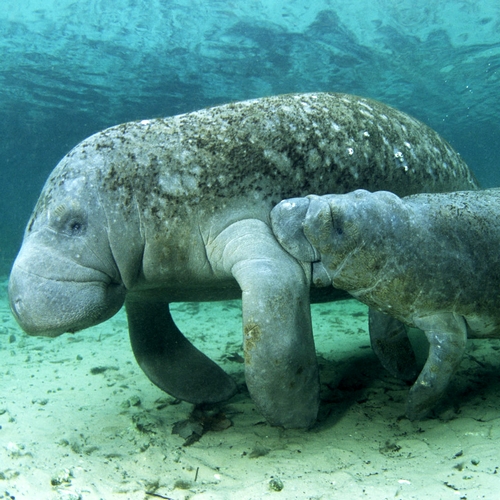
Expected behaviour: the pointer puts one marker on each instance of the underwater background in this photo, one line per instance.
(71, 68)
(79, 420)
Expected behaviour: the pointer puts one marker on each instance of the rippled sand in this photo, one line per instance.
(79, 419)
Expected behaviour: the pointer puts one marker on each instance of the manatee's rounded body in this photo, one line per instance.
(429, 260)
(163, 210)
(186, 178)
(439, 253)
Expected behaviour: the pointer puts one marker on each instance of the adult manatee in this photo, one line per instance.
(429, 261)
(177, 209)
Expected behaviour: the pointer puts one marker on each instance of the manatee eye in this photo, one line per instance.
(76, 227)
(337, 221)
(337, 226)
(70, 221)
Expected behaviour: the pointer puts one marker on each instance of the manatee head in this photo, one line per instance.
(348, 236)
(65, 277)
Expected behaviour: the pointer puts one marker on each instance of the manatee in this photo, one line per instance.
(428, 261)
(178, 209)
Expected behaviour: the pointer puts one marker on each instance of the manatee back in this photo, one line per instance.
(261, 151)
(446, 260)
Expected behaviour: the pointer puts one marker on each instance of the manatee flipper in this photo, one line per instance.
(280, 358)
(390, 342)
(169, 360)
(447, 336)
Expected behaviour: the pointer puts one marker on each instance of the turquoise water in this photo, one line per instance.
(69, 69)
(78, 418)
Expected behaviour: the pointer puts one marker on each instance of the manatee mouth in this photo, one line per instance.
(49, 307)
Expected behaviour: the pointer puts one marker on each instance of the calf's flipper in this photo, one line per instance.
(390, 342)
(447, 336)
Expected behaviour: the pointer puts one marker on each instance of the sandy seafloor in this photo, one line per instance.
(79, 419)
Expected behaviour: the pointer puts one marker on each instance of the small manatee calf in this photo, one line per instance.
(177, 209)
(429, 261)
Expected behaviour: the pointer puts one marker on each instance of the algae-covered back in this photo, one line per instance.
(264, 150)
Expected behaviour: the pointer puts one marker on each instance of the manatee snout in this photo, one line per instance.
(301, 225)
(49, 306)
(31, 302)
(287, 221)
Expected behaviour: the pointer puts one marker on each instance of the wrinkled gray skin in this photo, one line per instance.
(430, 261)
(177, 209)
